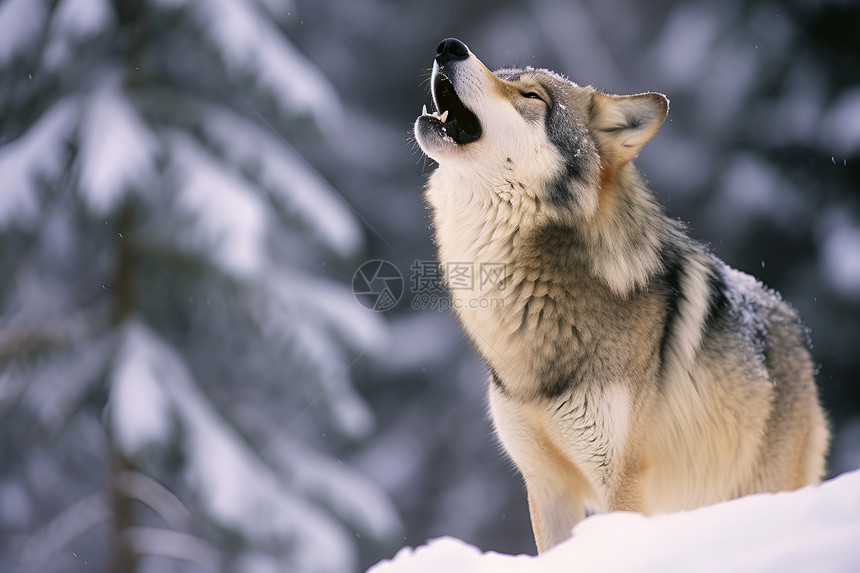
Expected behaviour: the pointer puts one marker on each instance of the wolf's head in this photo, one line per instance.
(553, 134)
(530, 147)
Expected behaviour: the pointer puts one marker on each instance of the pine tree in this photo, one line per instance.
(174, 366)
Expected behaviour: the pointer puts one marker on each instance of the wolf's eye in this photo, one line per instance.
(533, 95)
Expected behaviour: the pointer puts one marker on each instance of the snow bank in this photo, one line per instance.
(812, 529)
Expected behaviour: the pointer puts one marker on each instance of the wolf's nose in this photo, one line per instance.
(451, 49)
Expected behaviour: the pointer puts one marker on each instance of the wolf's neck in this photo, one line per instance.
(556, 282)
(620, 246)
(626, 238)
(472, 222)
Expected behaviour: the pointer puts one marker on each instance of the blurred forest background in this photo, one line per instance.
(187, 383)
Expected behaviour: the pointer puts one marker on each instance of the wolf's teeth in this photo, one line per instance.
(441, 117)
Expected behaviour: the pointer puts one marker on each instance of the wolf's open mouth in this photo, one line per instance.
(455, 119)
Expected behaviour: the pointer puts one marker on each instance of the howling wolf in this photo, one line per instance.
(630, 368)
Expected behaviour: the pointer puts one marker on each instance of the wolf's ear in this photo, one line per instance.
(622, 124)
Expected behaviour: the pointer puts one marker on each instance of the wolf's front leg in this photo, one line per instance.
(557, 497)
(555, 507)
(626, 485)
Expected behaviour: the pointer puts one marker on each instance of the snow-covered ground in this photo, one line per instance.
(815, 529)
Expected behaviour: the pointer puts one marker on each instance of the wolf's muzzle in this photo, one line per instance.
(452, 122)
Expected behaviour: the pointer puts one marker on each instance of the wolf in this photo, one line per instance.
(630, 368)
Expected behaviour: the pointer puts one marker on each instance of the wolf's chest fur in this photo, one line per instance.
(544, 322)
